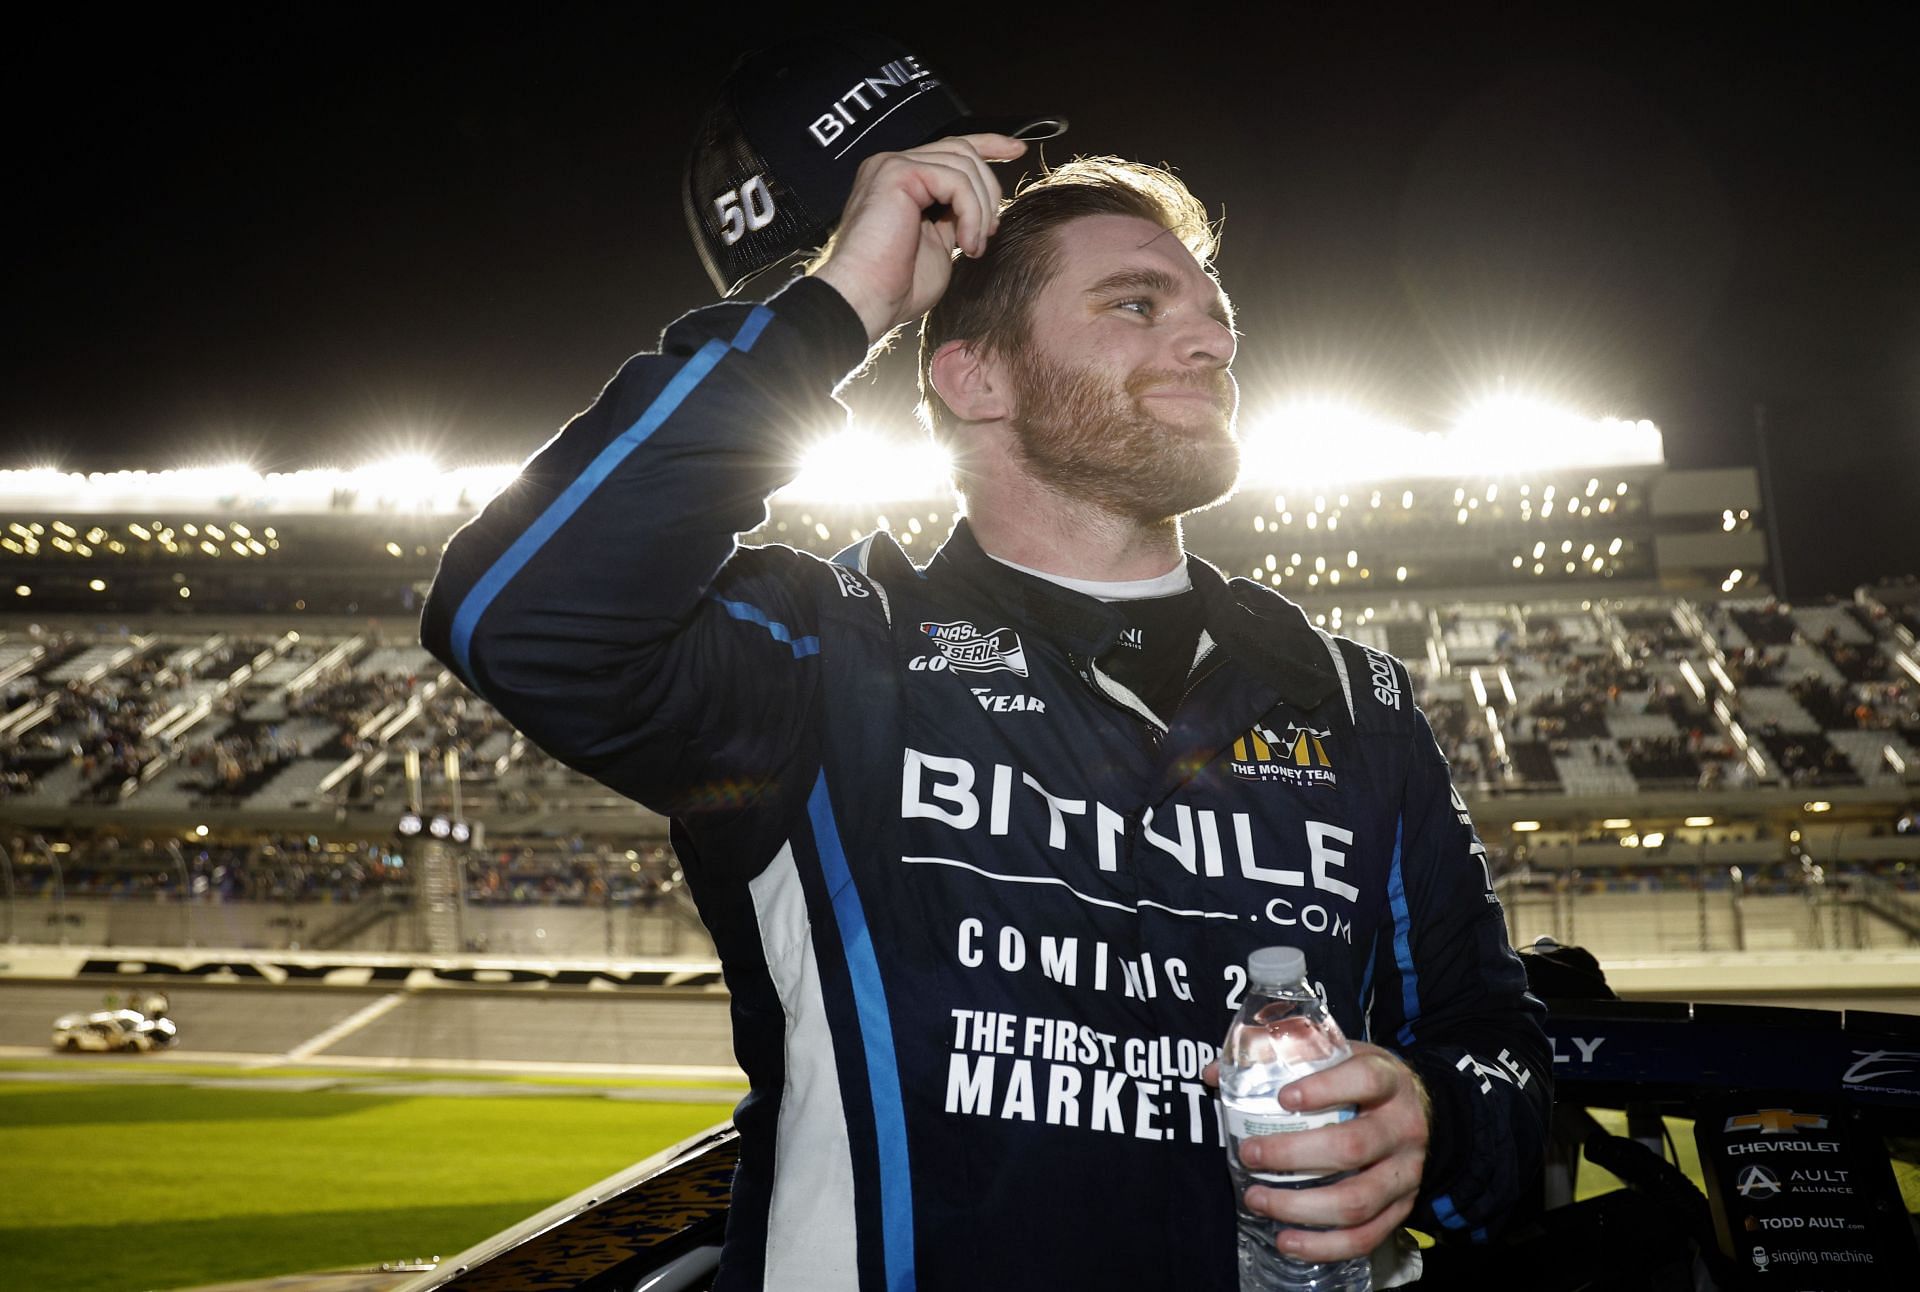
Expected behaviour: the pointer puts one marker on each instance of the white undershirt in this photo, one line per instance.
(1165, 585)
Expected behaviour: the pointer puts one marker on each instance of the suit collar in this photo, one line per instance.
(1256, 627)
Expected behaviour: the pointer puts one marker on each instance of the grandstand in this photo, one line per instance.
(218, 728)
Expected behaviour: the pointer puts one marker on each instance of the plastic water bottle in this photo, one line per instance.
(1282, 1032)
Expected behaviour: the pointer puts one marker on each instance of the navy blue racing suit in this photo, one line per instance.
(983, 916)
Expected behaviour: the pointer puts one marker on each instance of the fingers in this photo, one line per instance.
(888, 260)
(930, 177)
(994, 147)
(1372, 1076)
(1344, 1224)
(1390, 1119)
(1354, 1214)
(961, 155)
(1342, 1146)
(1382, 1150)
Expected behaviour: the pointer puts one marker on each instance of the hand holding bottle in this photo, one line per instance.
(1384, 1145)
(1334, 1155)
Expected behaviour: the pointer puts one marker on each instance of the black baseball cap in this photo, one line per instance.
(775, 157)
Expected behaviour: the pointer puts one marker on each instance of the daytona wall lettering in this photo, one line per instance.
(349, 973)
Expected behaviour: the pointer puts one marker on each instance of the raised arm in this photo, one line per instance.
(601, 602)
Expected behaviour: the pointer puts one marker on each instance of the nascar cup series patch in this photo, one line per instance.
(965, 649)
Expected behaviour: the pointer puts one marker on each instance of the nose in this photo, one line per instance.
(1207, 343)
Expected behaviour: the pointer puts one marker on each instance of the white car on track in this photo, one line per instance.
(118, 1030)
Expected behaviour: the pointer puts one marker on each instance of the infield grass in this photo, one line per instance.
(116, 1187)
(113, 1187)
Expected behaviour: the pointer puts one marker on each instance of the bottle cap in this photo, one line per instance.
(1277, 964)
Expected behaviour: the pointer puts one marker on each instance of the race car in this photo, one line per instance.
(118, 1030)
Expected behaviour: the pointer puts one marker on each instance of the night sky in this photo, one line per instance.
(314, 239)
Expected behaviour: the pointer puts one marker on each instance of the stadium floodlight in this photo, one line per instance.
(1322, 441)
(1511, 434)
(413, 482)
(860, 465)
(1330, 441)
(234, 476)
(406, 480)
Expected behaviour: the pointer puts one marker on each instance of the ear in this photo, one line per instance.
(973, 385)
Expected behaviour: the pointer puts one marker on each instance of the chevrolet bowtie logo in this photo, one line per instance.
(1777, 1121)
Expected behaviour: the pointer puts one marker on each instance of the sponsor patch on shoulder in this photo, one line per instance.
(1297, 756)
(1385, 682)
(851, 582)
(965, 649)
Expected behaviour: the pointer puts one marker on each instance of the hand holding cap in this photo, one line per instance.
(775, 158)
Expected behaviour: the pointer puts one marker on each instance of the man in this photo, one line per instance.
(984, 845)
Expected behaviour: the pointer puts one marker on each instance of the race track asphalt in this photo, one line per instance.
(495, 1029)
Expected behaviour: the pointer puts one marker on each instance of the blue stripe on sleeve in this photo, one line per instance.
(876, 1035)
(802, 646)
(1402, 937)
(1445, 1212)
(751, 329)
(570, 500)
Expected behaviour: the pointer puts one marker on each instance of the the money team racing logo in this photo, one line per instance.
(1296, 757)
(965, 649)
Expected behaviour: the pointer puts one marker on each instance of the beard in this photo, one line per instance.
(1090, 440)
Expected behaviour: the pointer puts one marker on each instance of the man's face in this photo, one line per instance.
(1123, 395)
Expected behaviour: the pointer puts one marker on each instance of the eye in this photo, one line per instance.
(1142, 305)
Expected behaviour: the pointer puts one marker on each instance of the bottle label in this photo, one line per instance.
(1242, 1125)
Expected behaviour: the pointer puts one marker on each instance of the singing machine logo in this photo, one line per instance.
(1297, 758)
(1777, 1121)
(965, 649)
